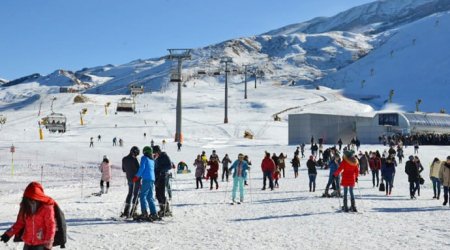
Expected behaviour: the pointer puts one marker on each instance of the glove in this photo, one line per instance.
(356, 179)
(135, 179)
(5, 238)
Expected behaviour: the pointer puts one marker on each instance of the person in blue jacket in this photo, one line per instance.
(333, 164)
(239, 168)
(146, 172)
(388, 172)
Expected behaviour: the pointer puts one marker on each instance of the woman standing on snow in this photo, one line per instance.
(350, 170)
(36, 219)
(281, 163)
(434, 176)
(312, 173)
(199, 171)
(213, 172)
(239, 168)
(105, 169)
(388, 172)
(444, 176)
(420, 168)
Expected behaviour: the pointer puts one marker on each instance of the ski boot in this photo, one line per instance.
(154, 217)
(141, 217)
(353, 207)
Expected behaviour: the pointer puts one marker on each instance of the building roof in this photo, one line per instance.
(425, 119)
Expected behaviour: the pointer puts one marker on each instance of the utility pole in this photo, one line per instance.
(226, 60)
(178, 55)
(245, 80)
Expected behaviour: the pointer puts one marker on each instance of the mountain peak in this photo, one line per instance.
(372, 17)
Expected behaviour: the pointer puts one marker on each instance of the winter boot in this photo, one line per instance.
(154, 217)
(353, 207)
(445, 200)
(142, 217)
(102, 189)
(167, 211)
(161, 211)
(345, 207)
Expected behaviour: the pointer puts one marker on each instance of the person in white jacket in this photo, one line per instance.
(444, 176)
(434, 176)
(105, 169)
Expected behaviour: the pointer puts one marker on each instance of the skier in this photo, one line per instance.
(163, 164)
(99, 138)
(312, 173)
(434, 176)
(199, 171)
(388, 173)
(375, 166)
(295, 164)
(349, 168)
(130, 165)
(239, 168)
(114, 141)
(91, 144)
(281, 163)
(225, 171)
(267, 167)
(120, 142)
(213, 172)
(340, 144)
(36, 219)
(105, 169)
(333, 164)
(146, 172)
(444, 176)
(179, 146)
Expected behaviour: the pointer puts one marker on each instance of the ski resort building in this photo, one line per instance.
(331, 127)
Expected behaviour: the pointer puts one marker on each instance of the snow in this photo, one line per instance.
(287, 218)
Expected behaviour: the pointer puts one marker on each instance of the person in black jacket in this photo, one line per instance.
(312, 173)
(130, 165)
(163, 164)
(413, 173)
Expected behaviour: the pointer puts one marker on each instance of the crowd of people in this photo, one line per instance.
(420, 139)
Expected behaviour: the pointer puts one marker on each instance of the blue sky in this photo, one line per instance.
(40, 36)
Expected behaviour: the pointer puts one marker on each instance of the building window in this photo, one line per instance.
(388, 119)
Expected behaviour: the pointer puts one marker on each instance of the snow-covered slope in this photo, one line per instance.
(372, 17)
(3, 81)
(411, 60)
(203, 218)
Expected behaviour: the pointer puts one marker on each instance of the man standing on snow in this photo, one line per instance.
(130, 165)
(163, 164)
(267, 167)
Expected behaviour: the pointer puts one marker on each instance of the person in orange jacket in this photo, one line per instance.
(36, 218)
(350, 170)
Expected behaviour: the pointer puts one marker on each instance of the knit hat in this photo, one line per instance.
(349, 153)
(411, 157)
(35, 191)
(147, 150)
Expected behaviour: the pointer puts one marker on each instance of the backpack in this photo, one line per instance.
(60, 238)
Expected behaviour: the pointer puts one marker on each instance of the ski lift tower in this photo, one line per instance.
(226, 60)
(178, 55)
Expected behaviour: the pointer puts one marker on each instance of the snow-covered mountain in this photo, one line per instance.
(369, 18)
(316, 52)
(3, 81)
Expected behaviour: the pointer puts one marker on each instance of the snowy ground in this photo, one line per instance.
(289, 217)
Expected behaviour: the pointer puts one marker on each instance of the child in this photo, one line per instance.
(105, 169)
(199, 171)
(276, 176)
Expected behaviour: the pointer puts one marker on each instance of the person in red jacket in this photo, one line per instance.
(36, 219)
(213, 172)
(267, 167)
(350, 170)
(375, 166)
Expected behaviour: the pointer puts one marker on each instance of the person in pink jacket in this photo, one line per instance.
(105, 168)
(36, 219)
